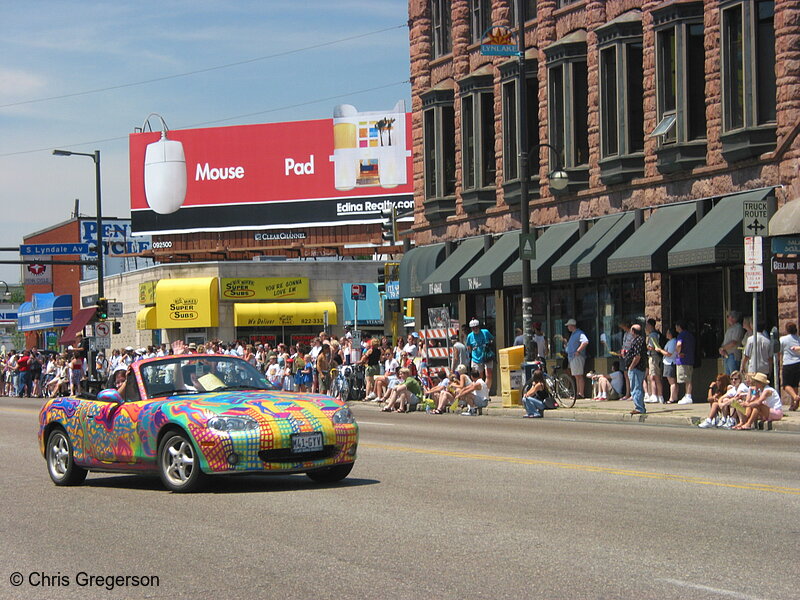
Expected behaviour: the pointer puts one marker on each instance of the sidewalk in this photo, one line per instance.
(662, 414)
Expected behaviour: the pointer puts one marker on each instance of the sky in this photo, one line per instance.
(81, 75)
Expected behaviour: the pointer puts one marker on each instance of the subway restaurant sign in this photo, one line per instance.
(264, 288)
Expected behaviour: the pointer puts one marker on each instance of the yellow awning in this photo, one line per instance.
(191, 302)
(283, 314)
(146, 318)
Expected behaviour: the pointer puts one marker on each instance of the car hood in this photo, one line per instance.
(255, 403)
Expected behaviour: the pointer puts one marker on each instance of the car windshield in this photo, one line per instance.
(198, 373)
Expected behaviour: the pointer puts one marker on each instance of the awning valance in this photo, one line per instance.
(415, 267)
(646, 250)
(283, 314)
(549, 247)
(718, 237)
(45, 311)
(146, 319)
(486, 273)
(587, 257)
(191, 302)
(80, 321)
(444, 280)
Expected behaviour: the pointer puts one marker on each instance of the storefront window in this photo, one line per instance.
(561, 310)
(483, 308)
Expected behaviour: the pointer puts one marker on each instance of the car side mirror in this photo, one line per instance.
(110, 395)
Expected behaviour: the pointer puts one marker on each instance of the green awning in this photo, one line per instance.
(588, 256)
(646, 250)
(717, 238)
(549, 247)
(487, 272)
(444, 280)
(416, 265)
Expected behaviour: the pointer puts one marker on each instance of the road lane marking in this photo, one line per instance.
(32, 409)
(589, 468)
(360, 422)
(705, 588)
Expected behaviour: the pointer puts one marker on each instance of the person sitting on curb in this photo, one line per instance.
(611, 386)
(383, 383)
(722, 402)
(476, 394)
(458, 382)
(534, 398)
(764, 403)
(404, 395)
(439, 393)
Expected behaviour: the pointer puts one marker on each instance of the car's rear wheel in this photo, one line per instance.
(178, 463)
(60, 460)
(331, 474)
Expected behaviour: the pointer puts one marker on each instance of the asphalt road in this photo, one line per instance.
(436, 507)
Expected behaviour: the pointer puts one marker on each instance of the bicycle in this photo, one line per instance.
(560, 386)
(344, 383)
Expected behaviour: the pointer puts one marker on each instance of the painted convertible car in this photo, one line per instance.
(193, 415)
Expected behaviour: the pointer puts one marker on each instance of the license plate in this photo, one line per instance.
(307, 442)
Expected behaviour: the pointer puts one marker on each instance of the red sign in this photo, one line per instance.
(358, 291)
(276, 175)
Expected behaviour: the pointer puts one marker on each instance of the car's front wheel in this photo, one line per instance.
(331, 474)
(60, 460)
(178, 463)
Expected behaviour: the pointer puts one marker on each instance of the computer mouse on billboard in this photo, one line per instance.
(165, 175)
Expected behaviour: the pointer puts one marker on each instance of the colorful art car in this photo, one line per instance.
(193, 415)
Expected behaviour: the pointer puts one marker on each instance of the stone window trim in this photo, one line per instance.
(439, 198)
(753, 135)
(678, 148)
(477, 89)
(621, 148)
(568, 55)
(509, 73)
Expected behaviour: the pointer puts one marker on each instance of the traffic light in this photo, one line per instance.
(116, 328)
(382, 280)
(389, 225)
(102, 309)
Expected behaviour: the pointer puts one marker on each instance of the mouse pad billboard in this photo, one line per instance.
(325, 172)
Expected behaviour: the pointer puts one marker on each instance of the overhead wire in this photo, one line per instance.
(204, 70)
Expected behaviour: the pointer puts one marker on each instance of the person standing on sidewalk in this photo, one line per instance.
(636, 363)
(684, 360)
(655, 390)
(479, 342)
(790, 364)
(576, 355)
(757, 355)
(730, 349)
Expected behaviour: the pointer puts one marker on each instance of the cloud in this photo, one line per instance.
(17, 84)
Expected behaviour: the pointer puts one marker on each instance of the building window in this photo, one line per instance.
(509, 73)
(438, 122)
(530, 11)
(568, 108)
(441, 25)
(621, 99)
(480, 19)
(748, 78)
(680, 86)
(477, 141)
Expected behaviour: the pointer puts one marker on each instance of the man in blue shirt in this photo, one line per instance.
(576, 355)
(479, 343)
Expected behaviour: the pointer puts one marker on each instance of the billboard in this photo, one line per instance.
(325, 172)
(118, 243)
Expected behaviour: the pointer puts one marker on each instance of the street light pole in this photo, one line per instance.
(95, 156)
(525, 214)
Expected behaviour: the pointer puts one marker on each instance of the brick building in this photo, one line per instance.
(668, 117)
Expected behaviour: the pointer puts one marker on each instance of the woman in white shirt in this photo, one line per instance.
(790, 364)
(385, 382)
(668, 351)
(764, 402)
(721, 395)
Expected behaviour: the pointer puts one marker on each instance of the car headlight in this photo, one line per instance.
(343, 416)
(232, 424)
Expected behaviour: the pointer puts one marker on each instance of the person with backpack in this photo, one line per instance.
(480, 345)
(654, 392)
